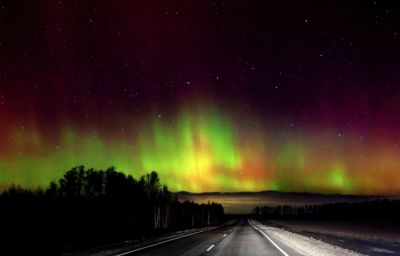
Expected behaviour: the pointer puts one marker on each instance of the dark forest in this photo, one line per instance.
(90, 207)
(376, 210)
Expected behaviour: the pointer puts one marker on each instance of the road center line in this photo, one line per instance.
(269, 239)
(210, 248)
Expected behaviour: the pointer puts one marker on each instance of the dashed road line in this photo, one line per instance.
(269, 239)
(210, 248)
(163, 242)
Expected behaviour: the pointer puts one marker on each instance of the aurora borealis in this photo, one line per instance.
(214, 96)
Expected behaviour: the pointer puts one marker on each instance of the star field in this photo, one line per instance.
(214, 95)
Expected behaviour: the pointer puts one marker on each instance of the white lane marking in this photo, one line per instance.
(269, 239)
(225, 235)
(210, 248)
(163, 242)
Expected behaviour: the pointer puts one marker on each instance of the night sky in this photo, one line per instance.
(213, 95)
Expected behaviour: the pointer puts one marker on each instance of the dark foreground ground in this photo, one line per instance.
(249, 237)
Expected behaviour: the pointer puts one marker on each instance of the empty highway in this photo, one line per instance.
(245, 238)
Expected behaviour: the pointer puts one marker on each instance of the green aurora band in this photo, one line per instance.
(203, 151)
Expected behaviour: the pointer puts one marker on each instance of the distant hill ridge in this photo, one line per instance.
(277, 193)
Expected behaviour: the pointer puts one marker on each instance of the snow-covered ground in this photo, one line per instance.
(348, 229)
(300, 244)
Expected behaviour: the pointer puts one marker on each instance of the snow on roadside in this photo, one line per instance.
(302, 244)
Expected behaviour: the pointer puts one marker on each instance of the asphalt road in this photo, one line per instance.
(239, 239)
(250, 238)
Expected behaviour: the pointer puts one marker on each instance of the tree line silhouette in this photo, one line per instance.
(376, 210)
(88, 207)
